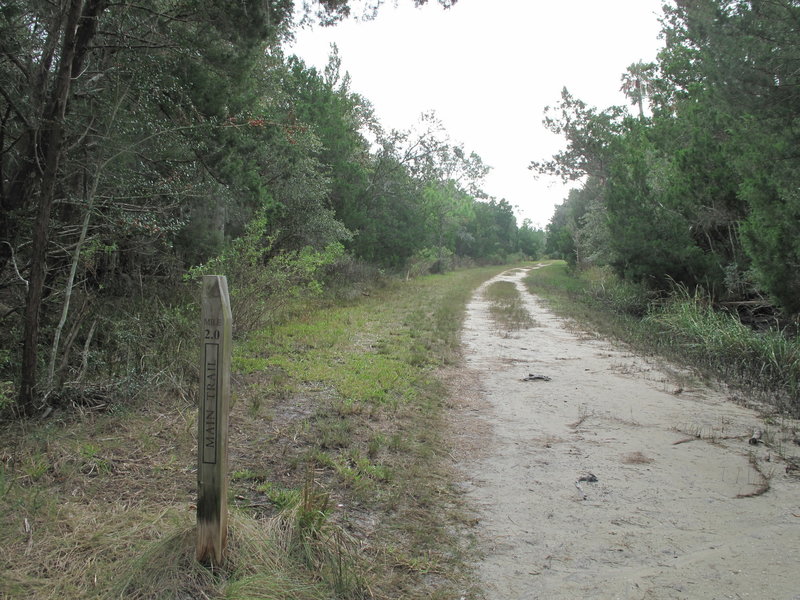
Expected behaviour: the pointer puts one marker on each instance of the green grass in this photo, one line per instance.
(766, 360)
(507, 307)
(338, 483)
(684, 327)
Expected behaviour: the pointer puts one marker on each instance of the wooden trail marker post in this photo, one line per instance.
(212, 423)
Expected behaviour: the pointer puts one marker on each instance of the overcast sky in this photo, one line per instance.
(488, 68)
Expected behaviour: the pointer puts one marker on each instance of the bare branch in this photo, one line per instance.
(16, 62)
(7, 97)
(14, 262)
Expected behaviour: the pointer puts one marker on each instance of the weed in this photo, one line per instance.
(5, 482)
(339, 405)
(35, 466)
(7, 396)
(282, 498)
(507, 307)
(685, 328)
(375, 444)
(245, 475)
(767, 360)
(333, 432)
(92, 462)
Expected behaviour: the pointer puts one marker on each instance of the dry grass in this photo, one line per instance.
(583, 415)
(710, 434)
(340, 484)
(685, 440)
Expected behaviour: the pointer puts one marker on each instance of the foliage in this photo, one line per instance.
(141, 142)
(261, 280)
(531, 240)
(429, 260)
(702, 187)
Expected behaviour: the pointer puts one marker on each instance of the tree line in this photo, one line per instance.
(699, 183)
(141, 143)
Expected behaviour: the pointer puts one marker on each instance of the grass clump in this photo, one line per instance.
(297, 555)
(766, 360)
(507, 306)
(338, 487)
(685, 327)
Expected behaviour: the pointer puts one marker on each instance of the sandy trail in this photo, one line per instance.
(663, 519)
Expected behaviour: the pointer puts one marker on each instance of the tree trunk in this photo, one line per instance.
(79, 25)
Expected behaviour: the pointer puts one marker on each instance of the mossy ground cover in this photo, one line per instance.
(338, 483)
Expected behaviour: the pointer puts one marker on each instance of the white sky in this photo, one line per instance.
(488, 68)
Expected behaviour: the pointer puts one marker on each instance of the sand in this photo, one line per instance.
(680, 506)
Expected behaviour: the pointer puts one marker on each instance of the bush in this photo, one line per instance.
(430, 260)
(768, 360)
(348, 276)
(261, 283)
(618, 295)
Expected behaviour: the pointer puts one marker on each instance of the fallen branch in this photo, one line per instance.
(684, 440)
(532, 377)
(763, 486)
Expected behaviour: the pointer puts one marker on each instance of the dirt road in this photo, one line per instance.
(680, 506)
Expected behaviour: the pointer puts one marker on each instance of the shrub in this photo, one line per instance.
(261, 282)
(429, 260)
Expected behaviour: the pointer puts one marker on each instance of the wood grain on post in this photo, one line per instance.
(212, 438)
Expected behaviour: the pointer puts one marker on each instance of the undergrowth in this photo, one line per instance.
(338, 486)
(686, 327)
